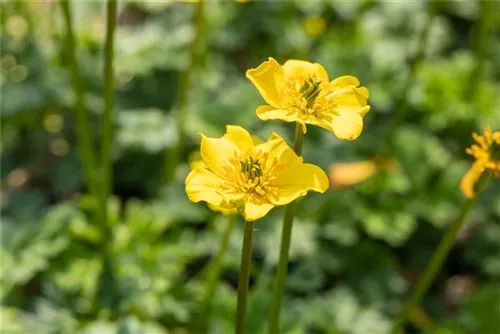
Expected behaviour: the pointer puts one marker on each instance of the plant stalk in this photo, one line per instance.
(212, 279)
(107, 115)
(246, 260)
(82, 117)
(286, 237)
(416, 60)
(482, 33)
(173, 156)
(438, 257)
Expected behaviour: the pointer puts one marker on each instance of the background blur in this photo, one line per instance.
(356, 250)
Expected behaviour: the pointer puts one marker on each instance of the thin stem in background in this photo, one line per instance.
(173, 156)
(82, 117)
(107, 114)
(246, 260)
(483, 30)
(286, 237)
(402, 102)
(212, 279)
(438, 257)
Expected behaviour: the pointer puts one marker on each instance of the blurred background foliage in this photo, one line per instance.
(356, 250)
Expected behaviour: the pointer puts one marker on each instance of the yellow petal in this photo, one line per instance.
(363, 110)
(267, 112)
(364, 92)
(239, 136)
(277, 149)
(297, 180)
(216, 153)
(347, 126)
(225, 210)
(203, 185)
(301, 68)
(256, 208)
(267, 78)
(344, 81)
(349, 98)
(470, 179)
(256, 140)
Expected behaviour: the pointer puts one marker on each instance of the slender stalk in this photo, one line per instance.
(174, 155)
(438, 257)
(482, 34)
(286, 237)
(82, 117)
(213, 274)
(107, 115)
(246, 259)
(402, 101)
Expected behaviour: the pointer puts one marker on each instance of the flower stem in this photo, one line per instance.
(213, 274)
(402, 100)
(438, 257)
(107, 115)
(482, 33)
(286, 237)
(246, 259)
(174, 155)
(82, 117)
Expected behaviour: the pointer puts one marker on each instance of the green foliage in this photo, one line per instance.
(355, 252)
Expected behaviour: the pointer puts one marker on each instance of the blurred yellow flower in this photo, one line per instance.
(487, 155)
(239, 174)
(314, 26)
(347, 174)
(300, 91)
(351, 173)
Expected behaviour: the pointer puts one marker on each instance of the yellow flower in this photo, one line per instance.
(314, 26)
(242, 174)
(300, 91)
(351, 173)
(487, 154)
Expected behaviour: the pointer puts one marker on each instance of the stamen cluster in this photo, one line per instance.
(307, 97)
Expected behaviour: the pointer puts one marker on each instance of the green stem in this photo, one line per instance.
(438, 257)
(173, 156)
(246, 259)
(107, 115)
(402, 101)
(286, 237)
(82, 117)
(482, 33)
(213, 274)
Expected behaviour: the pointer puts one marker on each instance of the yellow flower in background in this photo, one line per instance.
(314, 26)
(351, 173)
(487, 155)
(300, 91)
(347, 174)
(242, 174)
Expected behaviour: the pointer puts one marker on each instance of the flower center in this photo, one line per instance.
(310, 91)
(250, 169)
(307, 97)
(494, 152)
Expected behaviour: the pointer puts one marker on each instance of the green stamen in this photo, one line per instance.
(310, 91)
